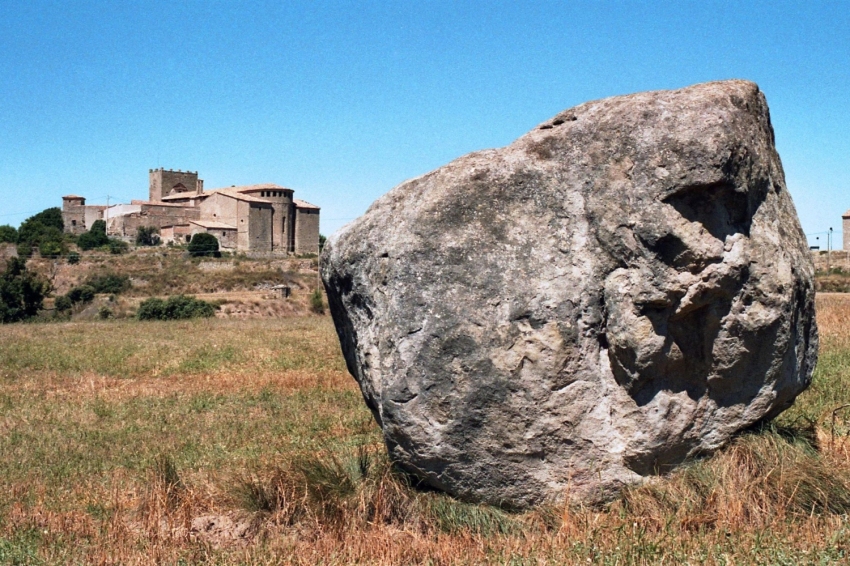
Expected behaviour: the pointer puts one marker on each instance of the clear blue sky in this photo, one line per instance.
(341, 101)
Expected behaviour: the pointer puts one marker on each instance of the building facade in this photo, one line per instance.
(258, 218)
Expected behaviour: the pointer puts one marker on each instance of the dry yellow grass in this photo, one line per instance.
(245, 442)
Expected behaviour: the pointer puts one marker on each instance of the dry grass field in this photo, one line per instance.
(226, 441)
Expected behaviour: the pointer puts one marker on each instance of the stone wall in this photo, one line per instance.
(845, 226)
(163, 181)
(74, 215)
(177, 234)
(306, 231)
(226, 237)
(260, 227)
(836, 258)
(77, 216)
(156, 215)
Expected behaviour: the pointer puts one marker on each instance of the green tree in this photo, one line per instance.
(51, 248)
(48, 217)
(24, 250)
(322, 241)
(95, 237)
(147, 236)
(44, 231)
(8, 234)
(203, 244)
(21, 292)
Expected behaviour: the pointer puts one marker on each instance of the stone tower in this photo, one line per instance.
(167, 182)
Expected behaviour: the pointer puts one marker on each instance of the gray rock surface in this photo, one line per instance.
(623, 287)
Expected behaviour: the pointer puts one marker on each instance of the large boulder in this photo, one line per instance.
(623, 287)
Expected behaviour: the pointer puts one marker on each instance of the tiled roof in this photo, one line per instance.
(151, 203)
(304, 204)
(213, 224)
(239, 196)
(185, 196)
(250, 188)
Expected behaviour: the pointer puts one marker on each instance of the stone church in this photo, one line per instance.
(258, 218)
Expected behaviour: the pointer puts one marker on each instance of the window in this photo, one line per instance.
(73, 222)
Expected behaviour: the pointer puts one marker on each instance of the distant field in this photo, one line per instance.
(227, 441)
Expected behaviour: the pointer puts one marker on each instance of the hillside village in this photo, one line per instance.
(262, 218)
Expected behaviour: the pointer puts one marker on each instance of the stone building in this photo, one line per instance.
(77, 216)
(259, 218)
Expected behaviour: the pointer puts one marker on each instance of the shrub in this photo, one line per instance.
(203, 244)
(50, 217)
(104, 313)
(44, 230)
(8, 234)
(109, 283)
(95, 237)
(21, 292)
(51, 248)
(317, 303)
(147, 236)
(175, 308)
(63, 303)
(117, 246)
(24, 250)
(81, 294)
(73, 258)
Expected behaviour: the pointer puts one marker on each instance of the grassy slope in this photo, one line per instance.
(116, 436)
(234, 282)
(159, 271)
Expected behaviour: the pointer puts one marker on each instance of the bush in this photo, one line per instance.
(81, 294)
(63, 303)
(203, 244)
(147, 236)
(317, 303)
(175, 308)
(24, 250)
(44, 230)
(8, 234)
(95, 237)
(21, 292)
(73, 258)
(49, 217)
(118, 247)
(51, 248)
(109, 283)
(104, 313)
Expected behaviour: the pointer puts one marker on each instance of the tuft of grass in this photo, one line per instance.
(763, 479)
(317, 302)
(356, 489)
